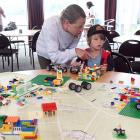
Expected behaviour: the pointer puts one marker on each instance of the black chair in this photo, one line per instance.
(6, 51)
(17, 42)
(131, 49)
(121, 63)
(137, 32)
(32, 47)
(107, 46)
(110, 36)
(30, 37)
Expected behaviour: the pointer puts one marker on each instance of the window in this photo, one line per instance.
(55, 7)
(128, 16)
(15, 10)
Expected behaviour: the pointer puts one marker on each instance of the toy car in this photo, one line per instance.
(74, 70)
(55, 67)
(78, 88)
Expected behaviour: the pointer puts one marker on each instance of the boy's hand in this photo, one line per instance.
(83, 54)
(103, 68)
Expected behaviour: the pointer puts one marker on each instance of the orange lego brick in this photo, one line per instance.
(12, 119)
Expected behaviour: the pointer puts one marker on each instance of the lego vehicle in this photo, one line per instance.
(78, 88)
(75, 70)
(53, 67)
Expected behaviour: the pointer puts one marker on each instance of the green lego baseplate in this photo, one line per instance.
(119, 136)
(40, 80)
(130, 110)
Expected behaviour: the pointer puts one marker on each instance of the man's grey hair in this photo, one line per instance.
(72, 13)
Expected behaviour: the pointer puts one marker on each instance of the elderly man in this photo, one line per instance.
(59, 37)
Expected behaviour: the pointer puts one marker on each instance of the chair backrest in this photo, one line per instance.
(108, 24)
(34, 40)
(34, 27)
(111, 35)
(137, 32)
(121, 63)
(107, 46)
(4, 42)
(130, 48)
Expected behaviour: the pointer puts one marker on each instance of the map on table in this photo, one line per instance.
(87, 115)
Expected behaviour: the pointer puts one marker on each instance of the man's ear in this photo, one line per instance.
(66, 22)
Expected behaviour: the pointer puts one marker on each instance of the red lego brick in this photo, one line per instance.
(46, 107)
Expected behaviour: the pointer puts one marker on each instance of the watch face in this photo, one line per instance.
(138, 106)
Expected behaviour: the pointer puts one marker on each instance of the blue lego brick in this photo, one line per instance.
(29, 129)
(133, 99)
(18, 124)
(1, 90)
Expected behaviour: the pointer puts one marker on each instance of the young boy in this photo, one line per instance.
(96, 38)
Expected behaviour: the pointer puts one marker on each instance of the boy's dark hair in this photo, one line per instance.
(96, 29)
(89, 4)
(72, 13)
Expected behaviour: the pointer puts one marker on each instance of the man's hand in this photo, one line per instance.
(83, 54)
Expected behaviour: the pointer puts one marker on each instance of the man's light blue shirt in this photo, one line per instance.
(56, 44)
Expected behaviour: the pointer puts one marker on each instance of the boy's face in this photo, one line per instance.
(97, 41)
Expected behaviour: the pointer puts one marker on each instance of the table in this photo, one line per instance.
(14, 35)
(79, 115)
(122, 38)
(18, 33)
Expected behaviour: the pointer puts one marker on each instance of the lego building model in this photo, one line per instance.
(59, 78)
(89, 74)
(12, 125)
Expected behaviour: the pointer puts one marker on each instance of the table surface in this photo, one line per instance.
(77, 116)
(122, 38)
(109, 76)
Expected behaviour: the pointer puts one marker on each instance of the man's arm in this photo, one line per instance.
(2, 12)
(59, 56)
